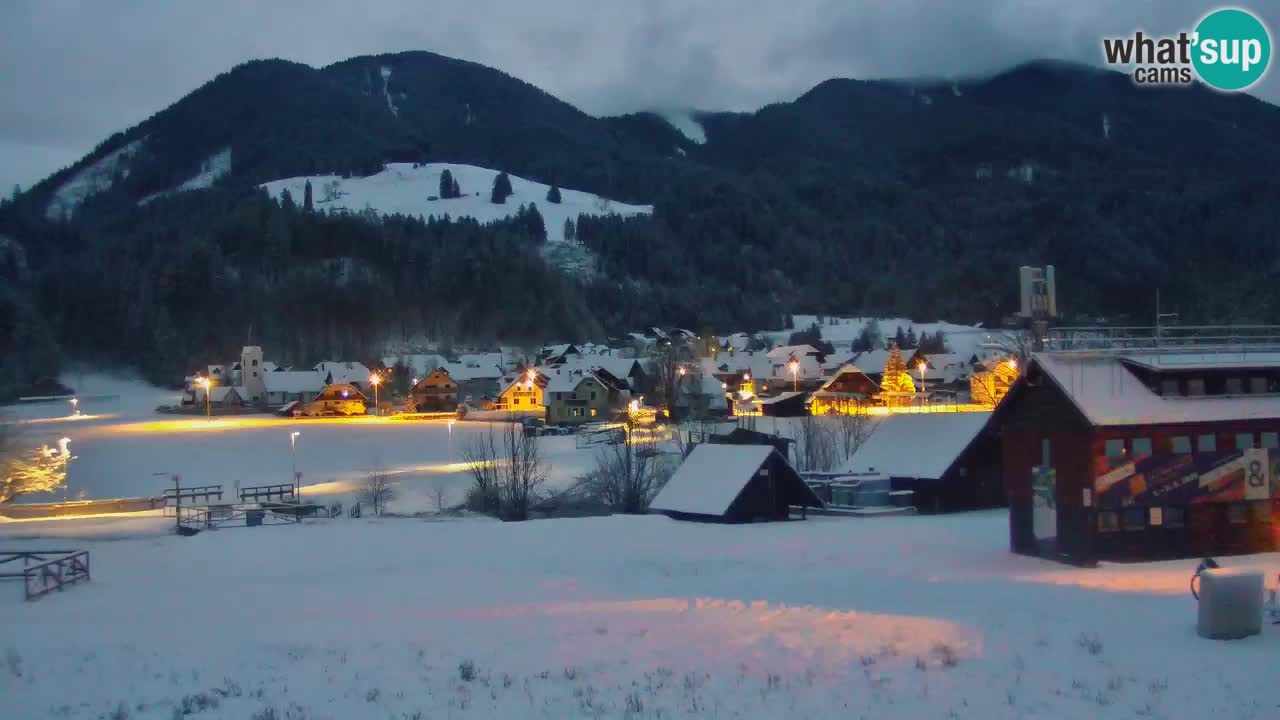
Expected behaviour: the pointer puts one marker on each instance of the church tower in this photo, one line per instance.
(252, 374)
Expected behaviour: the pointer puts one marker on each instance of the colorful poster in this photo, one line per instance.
(1227, 476)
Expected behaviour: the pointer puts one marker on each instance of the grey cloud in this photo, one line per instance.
(72, 73)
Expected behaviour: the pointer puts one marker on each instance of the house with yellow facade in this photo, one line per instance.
(594, 395)
(524, 393)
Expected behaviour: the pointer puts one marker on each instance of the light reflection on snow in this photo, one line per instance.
(223, 424)
(762, 635)
(1163, 578)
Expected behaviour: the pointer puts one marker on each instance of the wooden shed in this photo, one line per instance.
(734, 484)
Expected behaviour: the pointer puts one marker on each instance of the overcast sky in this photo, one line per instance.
(73, 72)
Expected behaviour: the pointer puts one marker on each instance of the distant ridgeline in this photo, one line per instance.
(912, 199)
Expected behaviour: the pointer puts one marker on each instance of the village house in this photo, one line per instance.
(352, 373)
(476, 379)
(593, 396)
(1142, 456)
(336, 399)
(848, 391)
(524, 393)
(555, 355)
(806, 361)
(734, 484)
(288, 386)
(221, 397)
(437, 392)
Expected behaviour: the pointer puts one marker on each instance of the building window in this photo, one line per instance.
(593, 394)
(1180, 445)
(1238, 514)
(1270, 439)
(1207, 443)
(1175, 517)
(1261, 511)
(1235, 386)
(1115, 448)
(1257, 385)
(1169, 386)
(255, 362)
(1155, 516)
(1141, 448)
(1044, 452)
(1108, 522)
(1135, 518)
(1244, 441)
(593, 412)
(1195, 386)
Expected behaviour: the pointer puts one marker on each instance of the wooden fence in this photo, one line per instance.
(44, 571)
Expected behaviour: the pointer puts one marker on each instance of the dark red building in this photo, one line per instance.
(1143, 456)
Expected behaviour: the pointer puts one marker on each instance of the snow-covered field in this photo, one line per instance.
(404, 189)
(124, 449)
(621, 617)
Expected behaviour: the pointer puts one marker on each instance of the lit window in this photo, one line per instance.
(1180, 445)
(593, 412)
(1195, 386)
(1235, 386)
(1207, 443)
(1108, 522)
(1155, 516)
(1244, 441)
(1135, 518)
(1270, 439)
(1175, 517)
(1115, 448)
(1141, 448)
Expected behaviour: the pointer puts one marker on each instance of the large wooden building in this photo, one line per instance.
(437, 392)
(1143, 455)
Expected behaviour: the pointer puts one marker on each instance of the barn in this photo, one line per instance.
(948, 460)
(734, 484)
(1108, 455)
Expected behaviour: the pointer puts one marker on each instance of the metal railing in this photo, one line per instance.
(283, 491)
(1215, 339)
(44, 571)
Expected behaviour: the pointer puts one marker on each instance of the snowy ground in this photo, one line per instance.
(122, 445)
(622, 617)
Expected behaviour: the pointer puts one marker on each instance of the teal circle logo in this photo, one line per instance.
(1232, 49)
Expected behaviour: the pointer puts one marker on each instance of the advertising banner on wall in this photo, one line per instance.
(1186, 479)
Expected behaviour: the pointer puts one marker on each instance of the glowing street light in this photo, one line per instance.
(680, 371)
(451, 421)
(921, 367)
(205, 382)
(376, 380)
(1013, 364)
(795, 374)
(293, 458)
(74, 402)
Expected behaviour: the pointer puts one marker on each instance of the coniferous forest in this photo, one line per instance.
(917, 200)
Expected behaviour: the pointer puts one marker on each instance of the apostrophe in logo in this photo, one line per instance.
(1232, 49)
(1229, 50)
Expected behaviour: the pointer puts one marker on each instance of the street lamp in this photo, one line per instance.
(451, 421)
(74, 403)
(208, 408)
(1013, 364)
(921, 367)
(376, 380)
(795, 374)
(293, 459)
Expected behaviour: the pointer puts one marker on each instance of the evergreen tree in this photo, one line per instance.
(307, 203)
(938, 343)
(911, 338)
(328, 378)
(570, 232)
(896, 378)
(448, 188)
(900, 338)
(456, 189)
(501, 189)
(868, 338)
(286, 199)
(553, 195)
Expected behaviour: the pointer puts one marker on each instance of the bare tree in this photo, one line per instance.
(521, 471)
(626, 478)
(481, 456)
(664, 368)
(378, 491)
(43, 469)
(815, 446)
(851, 425)
(438, 492)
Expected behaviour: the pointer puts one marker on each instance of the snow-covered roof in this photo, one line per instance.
(917, 445)
(344, 371)
(563, 382)
(711, 478)
(1204, 361)
(462, 373)
(873, 361)
(293, 381)
(778, 398)
(1107, 393)
(419, 364)
(783, 352)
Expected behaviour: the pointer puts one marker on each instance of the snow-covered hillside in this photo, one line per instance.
(687, 125)
(841, 332)
(404, 189)
(90, 181)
